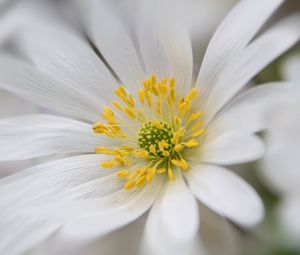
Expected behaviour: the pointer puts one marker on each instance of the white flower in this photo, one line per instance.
(280, 166)
(165, 144)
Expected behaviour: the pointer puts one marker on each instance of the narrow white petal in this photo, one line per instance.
(104, 27)
(61, 53)
(252, 60)
(232, 148)
(37, 87)
(232, 36)
(226, 193)
(164, 45)
(173, 221)
(39, 135)
(247, 113)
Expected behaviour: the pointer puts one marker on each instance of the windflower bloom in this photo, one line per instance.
(280, 165)
(158, 142)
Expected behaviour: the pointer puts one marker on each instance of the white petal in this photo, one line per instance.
(173, 221)
(290, 68)
(63, 54)
(37, 87)
(39, 135)
(74, 193)
(53, 178)
(104, 27)
(122, 241)
(232, 148)
(164, 45)
(118, 209)
(26, 199)
(247, 113)
(226, 193)
(232, 36)
(251, 61)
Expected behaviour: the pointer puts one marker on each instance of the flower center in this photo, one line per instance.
(151, 131)
(155, 138)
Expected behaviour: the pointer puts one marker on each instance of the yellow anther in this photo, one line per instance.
(103, 150)
(133, 175)
(161, 170)
(162, 88)
(130, 101)
(198, 133)
(141, 95)
(155, 89)
(122, 174)
(149, 177)
(148, 98)
(141, 154)
(177, 120)
(129, 185)
(99, 125)
(130, 113)
(127, 147)
(172, 83)
(196, 126)
(158, 106)
(152, 171)
(152, 149)
(166, 153)
(194, 116)
(117, 105)
(127, 161)
(121, 92)
(107, 164)
(191, 143)
(162, 145)
(108, 111)
(108, 133)
(153, 79)
(141, 117)
(193, 93)
(178, 147)
(147, 85)
(171, 174)
(176, 135)
(173, 94)
(140, 181)
(180, 163)
(156, 124)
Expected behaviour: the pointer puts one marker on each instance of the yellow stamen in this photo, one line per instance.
(170, 174)
(129, 185)
(107, 164)
(198, 133)
(191, 143)
(167, 127)
(122, 174)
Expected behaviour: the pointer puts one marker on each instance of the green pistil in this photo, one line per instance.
(151, 135)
